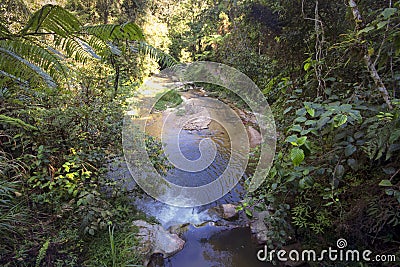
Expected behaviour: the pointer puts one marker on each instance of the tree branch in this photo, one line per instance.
(380, 86)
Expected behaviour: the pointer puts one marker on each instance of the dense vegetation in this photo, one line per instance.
(330, 71)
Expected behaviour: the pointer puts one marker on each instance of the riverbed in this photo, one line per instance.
(210, 240)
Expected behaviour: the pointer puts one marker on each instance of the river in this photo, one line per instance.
(210, 241)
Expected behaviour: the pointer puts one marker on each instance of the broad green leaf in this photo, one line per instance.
(310, 110)
(300, 119)
(287, 110)
(388, 12)
(301, 112)
(385, 183)
(352, 164)
(297, 156)
(305, 132)
(309, 122)
(349, 150)
(389, 192)
(302, 183)
(339, 171)
(366, 29)
(339, 120)
(291, 139)
(296, 128)
(249, 213)
(322, 122)
(301, 140)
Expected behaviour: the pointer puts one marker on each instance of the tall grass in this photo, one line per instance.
(116, 249)
(13, 211)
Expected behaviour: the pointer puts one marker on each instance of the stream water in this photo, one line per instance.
(209, 240)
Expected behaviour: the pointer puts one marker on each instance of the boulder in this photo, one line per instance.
(258, 227)
(255, 138)
(226, 211)
(179, 229)
(155, 239)
(241, 114)
(199, 123)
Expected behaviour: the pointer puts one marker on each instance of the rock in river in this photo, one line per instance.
(254, 137)
(258, 227)
(226, 211)
(155, 239)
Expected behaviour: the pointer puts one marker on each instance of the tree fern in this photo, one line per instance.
(112, 32)
(157, 54)
(28, 59)
(36, 53)
(52, 19)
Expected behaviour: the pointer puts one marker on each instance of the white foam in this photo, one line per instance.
(170, 215)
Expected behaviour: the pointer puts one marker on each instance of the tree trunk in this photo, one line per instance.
(380, 86)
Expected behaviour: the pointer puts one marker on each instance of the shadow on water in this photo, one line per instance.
(215, 246)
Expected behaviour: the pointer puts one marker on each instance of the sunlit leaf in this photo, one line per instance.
(385, 183)
(339, 120)
(297, 156)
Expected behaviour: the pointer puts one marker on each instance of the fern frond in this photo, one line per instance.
(154, 53)
(26, 56)
(74, 48)
(97, 44)
(14, 78)
(7, 54)
(52, 19)
(16, 122)
(111, 32)
(33, 56)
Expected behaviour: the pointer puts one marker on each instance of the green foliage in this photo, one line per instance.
(336, 168)
(16, 122)
(169, 100)
(115, 248)
(42, 253)
(38, 58)
(156, 54)
(112, 32)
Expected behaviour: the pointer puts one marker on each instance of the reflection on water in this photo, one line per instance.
(189, 141)
(189, 146)
(208, 245)
(217, 247)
